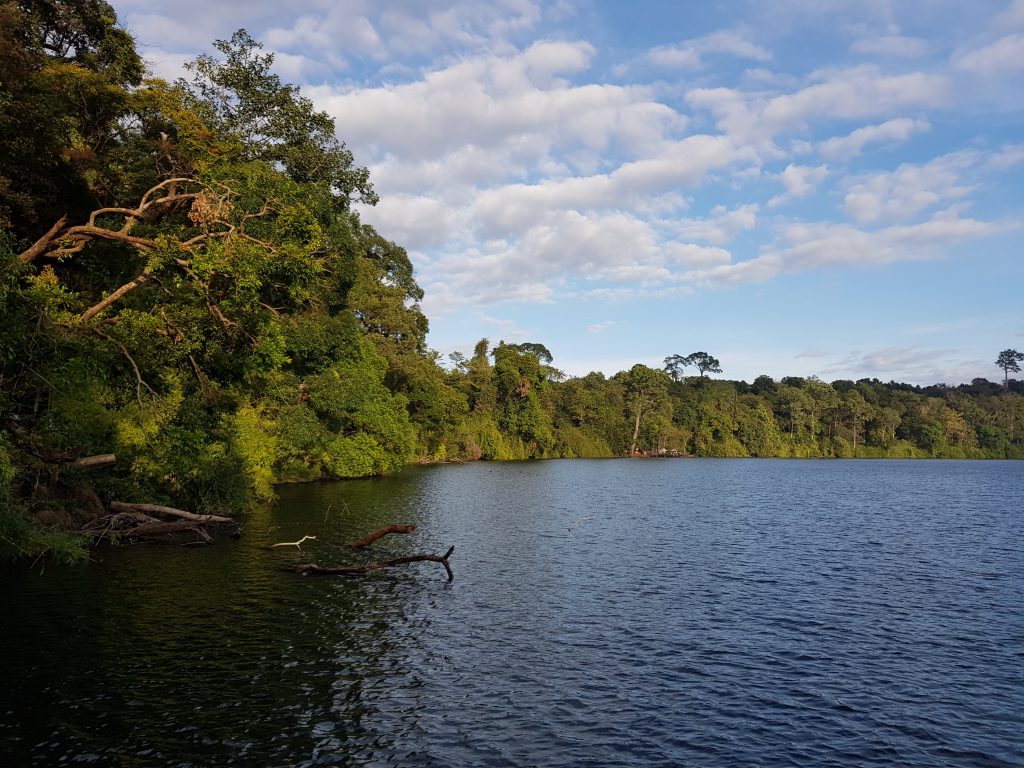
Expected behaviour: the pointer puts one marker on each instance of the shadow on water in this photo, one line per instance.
(704, 612)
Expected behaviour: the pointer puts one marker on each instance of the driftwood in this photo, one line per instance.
(156, 509)
(368, 540)
(160, 528)
(350, 570)
(293, 543)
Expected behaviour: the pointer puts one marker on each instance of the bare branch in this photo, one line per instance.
(95, 309)
(56, 241)
(139, 382)
(368, 540)
(293, 543)
(40, 245)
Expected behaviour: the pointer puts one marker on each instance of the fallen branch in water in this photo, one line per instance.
(156, 509)
(350, 570)
(138, 521)
(368, 540)
(160, 528)
(294, 543)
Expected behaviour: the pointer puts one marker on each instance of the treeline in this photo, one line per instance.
(521, 407)
(184, 284)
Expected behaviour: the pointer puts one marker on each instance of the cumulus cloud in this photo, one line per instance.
(891, 131)
(1004, 55)
(689, 55)
(799, 181)
(848, 94)
(908, 190)
(817, 245)
(513, 171)
(515, 104)
(722, 226)
(891, 45)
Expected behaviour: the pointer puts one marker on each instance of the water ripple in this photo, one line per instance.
(710, 613)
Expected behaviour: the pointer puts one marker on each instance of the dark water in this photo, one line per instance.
(710, 613)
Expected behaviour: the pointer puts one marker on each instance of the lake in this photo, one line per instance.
(704, 613)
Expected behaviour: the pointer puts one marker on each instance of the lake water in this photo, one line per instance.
(706, 613)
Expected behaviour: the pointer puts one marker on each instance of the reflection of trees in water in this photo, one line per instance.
(166, 654)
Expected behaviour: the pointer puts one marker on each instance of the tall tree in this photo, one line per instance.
(646, 388)
(675, 366)
(1008, 360)
(705, 363)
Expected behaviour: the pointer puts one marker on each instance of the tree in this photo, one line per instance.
(66, 71)
(646, 388)
(705, 363)
(1008, 360)
(265, 119)
(675, 366)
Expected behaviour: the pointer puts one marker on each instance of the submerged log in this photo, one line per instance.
(156, 509)
(163, 529)
(351, 570)
(368, 540)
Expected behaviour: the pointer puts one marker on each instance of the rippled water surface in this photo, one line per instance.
(707, 613)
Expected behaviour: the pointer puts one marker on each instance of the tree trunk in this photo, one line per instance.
(156, 509)
(636, 432)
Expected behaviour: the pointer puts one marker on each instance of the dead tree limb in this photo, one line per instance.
(353, 570)
(368, 540)
(156, 509)
(96, 462)
(293, 543)
(161, 528)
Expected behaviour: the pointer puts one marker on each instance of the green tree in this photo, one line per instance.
(704, 363)
(675, 366)
(646, 389)
(1009, 360)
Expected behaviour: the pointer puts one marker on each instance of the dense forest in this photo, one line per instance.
(184, 284)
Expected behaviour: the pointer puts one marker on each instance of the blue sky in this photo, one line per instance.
(801, 187)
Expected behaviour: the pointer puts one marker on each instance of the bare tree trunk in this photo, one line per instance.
(156, 509)
(636, 432)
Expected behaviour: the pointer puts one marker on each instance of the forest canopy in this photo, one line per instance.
(184, 283)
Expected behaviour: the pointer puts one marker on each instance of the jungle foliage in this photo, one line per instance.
(184, 283)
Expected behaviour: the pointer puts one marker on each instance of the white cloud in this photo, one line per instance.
(689, 55)
(891, 45)
(851, 145)
(908, 190)
(1007, 157)
(722, 226)
(849, 94)
(799, 181)
(692, 256)
(1012, 17)
(601, 327)
(829, 245)
(1004, 55)
(513, 104)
